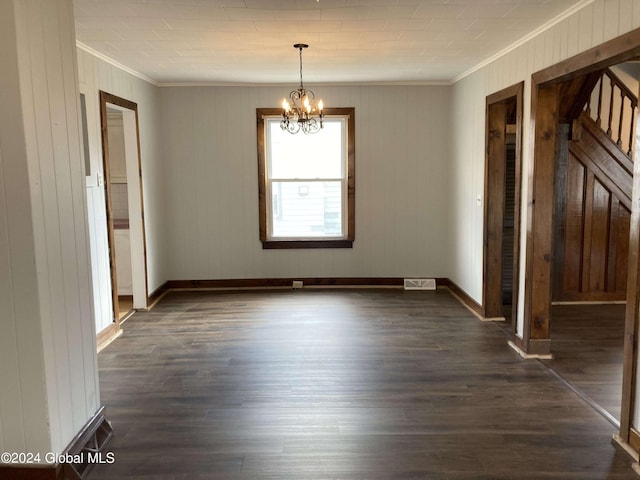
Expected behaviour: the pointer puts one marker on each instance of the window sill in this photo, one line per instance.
(284, 244)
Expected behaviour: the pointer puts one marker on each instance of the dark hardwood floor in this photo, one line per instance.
(587, 344)
(350, 385)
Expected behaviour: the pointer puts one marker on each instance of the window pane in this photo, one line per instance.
(319, 155)
(306, 209)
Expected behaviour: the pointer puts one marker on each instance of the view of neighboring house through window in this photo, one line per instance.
(306, 183)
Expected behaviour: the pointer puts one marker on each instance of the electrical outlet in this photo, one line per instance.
(297, 284)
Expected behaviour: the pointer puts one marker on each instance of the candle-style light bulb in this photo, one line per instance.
(320, 105)
(285, 105)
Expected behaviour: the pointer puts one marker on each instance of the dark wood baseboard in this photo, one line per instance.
(538, 347)
(309, 282)
(318, 282)
(533, 347)
(462, 296)
(93, 437)
(518, 342)
(46, 472)
(260, 283)
(598, 297)
(634, 439)
(156, 295)
(108, 335)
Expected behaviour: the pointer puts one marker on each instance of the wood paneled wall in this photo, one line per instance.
(592, 225)
(49, 379)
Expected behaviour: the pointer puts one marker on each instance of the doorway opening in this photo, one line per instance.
(555, 107)
(502, 204)
(593, 180)
(125, 211)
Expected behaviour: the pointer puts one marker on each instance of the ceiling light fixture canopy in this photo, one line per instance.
(301, 113)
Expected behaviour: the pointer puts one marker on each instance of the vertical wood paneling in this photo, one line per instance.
(573, 35)
(587, 232)
(40, 158)
(79, 274)
(23, 398)
(622, 248)
(599, 236)
(611, 19)
(82, 245)
(74, 345)
(625, 21)
(51, 303)
(9, 370)
(562, 182)
(613, 259)
(57, 217)
(574, 225)
(12, 434)
(598, 23)
(591, 259)
(585, 29)
(401, 155)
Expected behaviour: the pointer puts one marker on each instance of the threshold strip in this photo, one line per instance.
(586, 398)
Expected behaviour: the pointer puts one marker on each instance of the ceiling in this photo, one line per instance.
(351, 41)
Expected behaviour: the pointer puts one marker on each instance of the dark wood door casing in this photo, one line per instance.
(502, 108)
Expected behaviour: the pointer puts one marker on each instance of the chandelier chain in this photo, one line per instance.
(301, 84)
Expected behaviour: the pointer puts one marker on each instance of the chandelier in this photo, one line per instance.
(301, 113)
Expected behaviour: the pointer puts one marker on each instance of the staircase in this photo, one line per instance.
(593, 200)
(609, 164)
(613, 107)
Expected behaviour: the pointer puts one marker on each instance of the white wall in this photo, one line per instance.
(95, 75)
(594, 24)
(48, 371)
(629, 73)
(402, 158)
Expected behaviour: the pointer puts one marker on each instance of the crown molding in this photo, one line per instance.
(131, 71)
(541, 29)
(314, 85)
(115, 63)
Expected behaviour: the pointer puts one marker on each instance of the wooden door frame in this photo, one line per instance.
(545, 99)
(114, 329)
(494, 191)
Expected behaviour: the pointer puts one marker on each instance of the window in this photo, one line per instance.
(307, 182)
